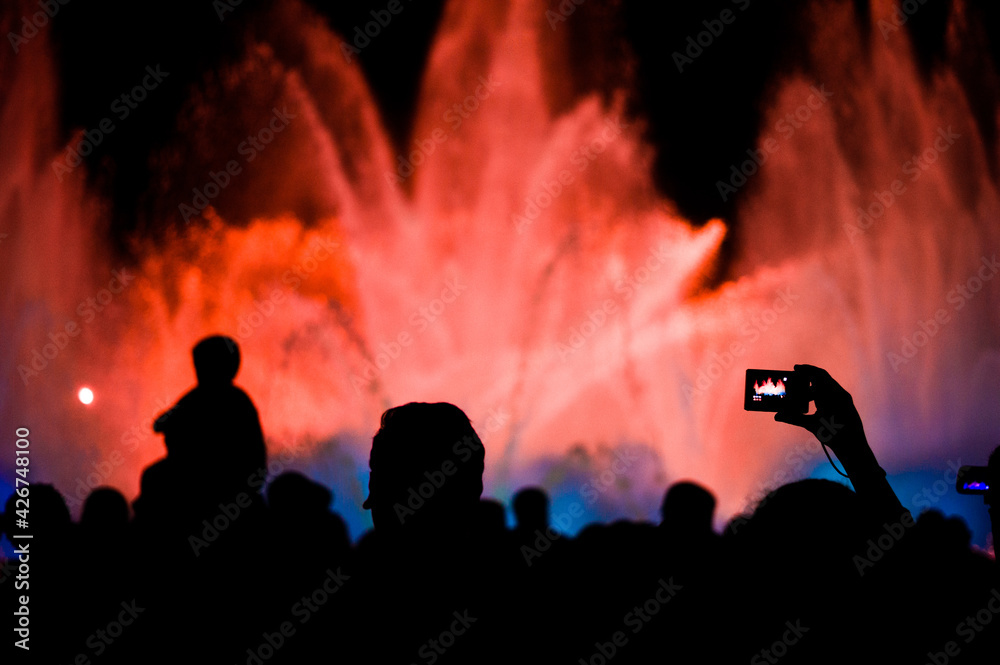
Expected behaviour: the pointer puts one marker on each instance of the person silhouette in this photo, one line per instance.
(424, 490)
(531, 507)
(301, 506)
(837, 424)
(687, 509)
(426, 475)
(213, 434)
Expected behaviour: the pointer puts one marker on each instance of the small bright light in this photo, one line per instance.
(86, 395)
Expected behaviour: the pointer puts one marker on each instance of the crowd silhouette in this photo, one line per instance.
(216, 566)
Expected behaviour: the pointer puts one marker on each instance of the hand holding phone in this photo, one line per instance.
(835, 422)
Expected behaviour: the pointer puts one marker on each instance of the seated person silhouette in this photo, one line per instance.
(213, 434)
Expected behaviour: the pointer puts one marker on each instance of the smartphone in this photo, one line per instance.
(973, 480)
(775, 390)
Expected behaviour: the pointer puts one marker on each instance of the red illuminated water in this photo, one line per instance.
(518, 262)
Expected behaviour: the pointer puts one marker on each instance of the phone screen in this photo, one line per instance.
(774, 390)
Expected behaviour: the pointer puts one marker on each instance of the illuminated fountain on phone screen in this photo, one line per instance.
(558, 299)
(768, 387)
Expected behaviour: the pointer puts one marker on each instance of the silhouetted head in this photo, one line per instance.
(49, 516)
(531, 508)
(216, 360)
(104, 510)
(426, 468)
(809, 528)
(157, 489)
(292, 492)
(939, 533)
(688, 507)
